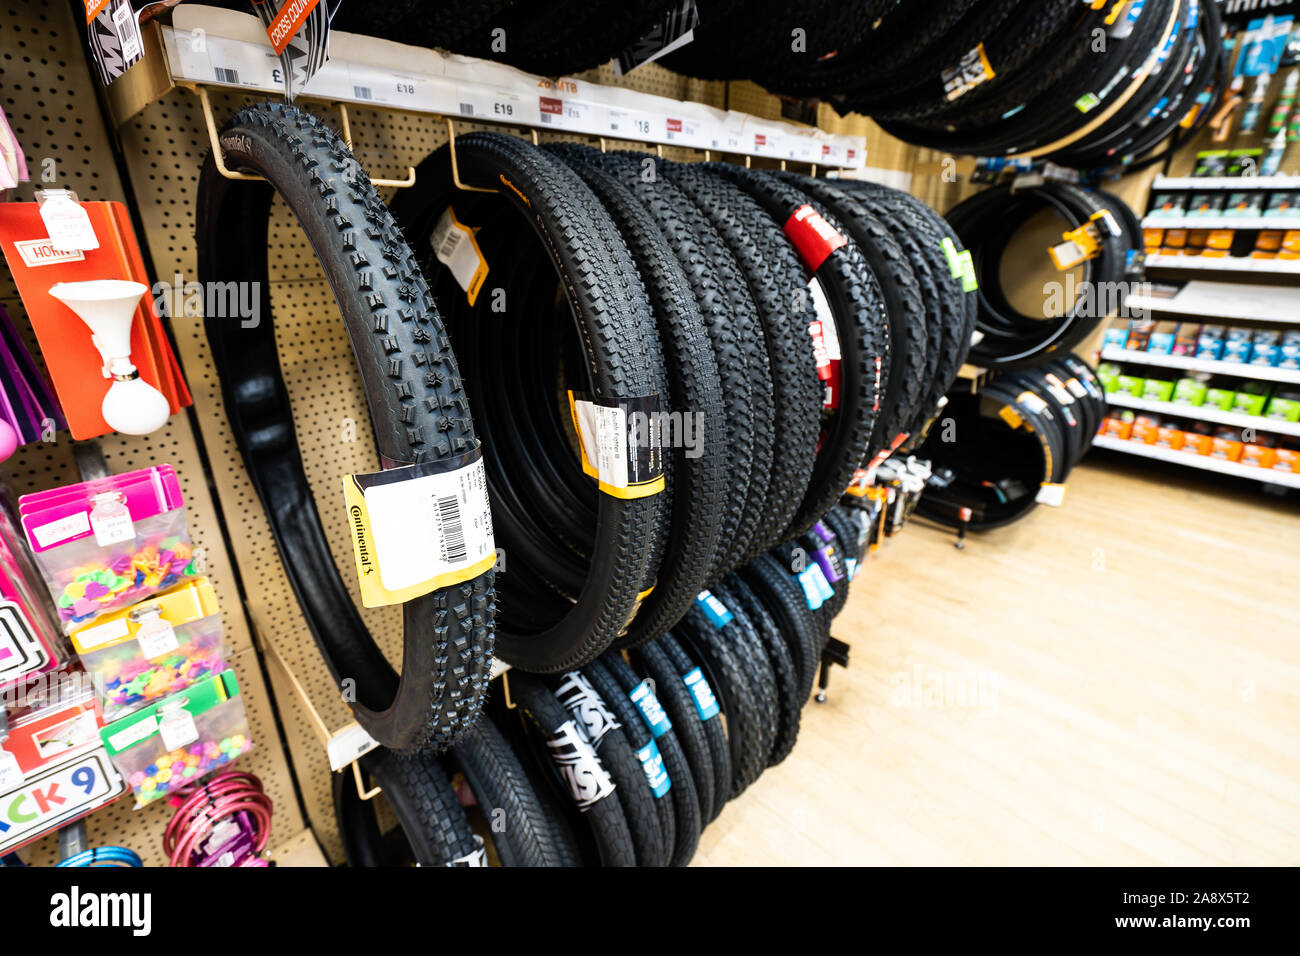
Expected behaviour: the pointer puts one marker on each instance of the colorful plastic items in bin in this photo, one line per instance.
(175, 741)
(156, 648)
(30, 641)
(104, 545)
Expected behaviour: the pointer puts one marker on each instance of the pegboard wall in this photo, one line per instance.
(47, 87)
(48, 94)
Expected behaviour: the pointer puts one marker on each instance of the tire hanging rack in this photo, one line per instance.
(158, 74)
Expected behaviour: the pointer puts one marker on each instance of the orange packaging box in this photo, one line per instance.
(1290, 245)
(1226, 448)
(1220, 239)
(1259, 456)
(1154, 238)
(1286, 459)
(1119, 429)
(1145, 431)
(1198, 444)
(1171, 438)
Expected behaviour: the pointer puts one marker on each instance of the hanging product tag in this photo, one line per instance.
(299, 31)
(420, 528)
(652, 711)
(177, 728)
(456, 247)
(718, 613)
(155, 636)
(66, 222)
(652, 762)
(826, 345)
(969, 281)
(587, 779)
(672, 32)
(621, 443)
(952, 255)
(973, 69)
(705, 700)
(813, 237)
(814, 593)
(110, 519)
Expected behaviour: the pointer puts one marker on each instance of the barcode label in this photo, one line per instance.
(466, 109)
(451, 529)
(362, 93)
(546, 119)
(450, 242)
(225, 75)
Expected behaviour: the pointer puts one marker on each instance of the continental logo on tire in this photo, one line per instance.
(515, 189)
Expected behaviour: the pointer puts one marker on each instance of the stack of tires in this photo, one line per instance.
(624, 761)
(1089, 85)
(1012, 445)
(669, 374)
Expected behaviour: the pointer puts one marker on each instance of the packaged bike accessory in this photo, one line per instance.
(27, 406)
(76, 366)
(175, 741)
(158, 647)
(104, 545)
(224, 823)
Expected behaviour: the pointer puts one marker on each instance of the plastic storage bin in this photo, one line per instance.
(104, 545)
(176, 741)
(156, 648)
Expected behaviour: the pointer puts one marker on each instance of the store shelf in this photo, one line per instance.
(1226, 182)
(1203, 414)
(1240, 264)
(1202, 462)
(1220, 222)
(1261, 373)
(234, 54)
(1225, 300)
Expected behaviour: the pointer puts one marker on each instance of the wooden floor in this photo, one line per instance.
(1116, 682)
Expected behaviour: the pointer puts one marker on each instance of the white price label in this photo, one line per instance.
(67, 223)
(177, 729)
(157, 638)
(489, 105)
(626, 124)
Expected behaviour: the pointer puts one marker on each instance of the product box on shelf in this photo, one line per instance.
(1287, 459)
(1266, 348)
(1258, 456)
(1206, 205)
(1186, 340)
(104, 545)
(1163, 337)
(1108, 374)
(1267, 244)
(1139, 334)
(1130, 384)
(1210, 344)
(1229, 448)
(1289, 350)
(1189, 391)
(1117, 427)
(156, 648)
(1116, 338)
(1251, 399)
(1220, 398)
(1197, 444)
(1237, 345)
(1158, 390)
(1284, 407)
(180, 739)
(1145, 429)
(1245, 205)
(1171, 437)
(1281, 205)
(1175, 242)
(1290, 245)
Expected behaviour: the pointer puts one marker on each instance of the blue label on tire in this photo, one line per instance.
(852, 565)
(653, 712)
(717, 612)
(700, 690)
(811, 591)
(652, 762)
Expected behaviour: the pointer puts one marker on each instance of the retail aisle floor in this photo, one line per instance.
(1116, 682)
